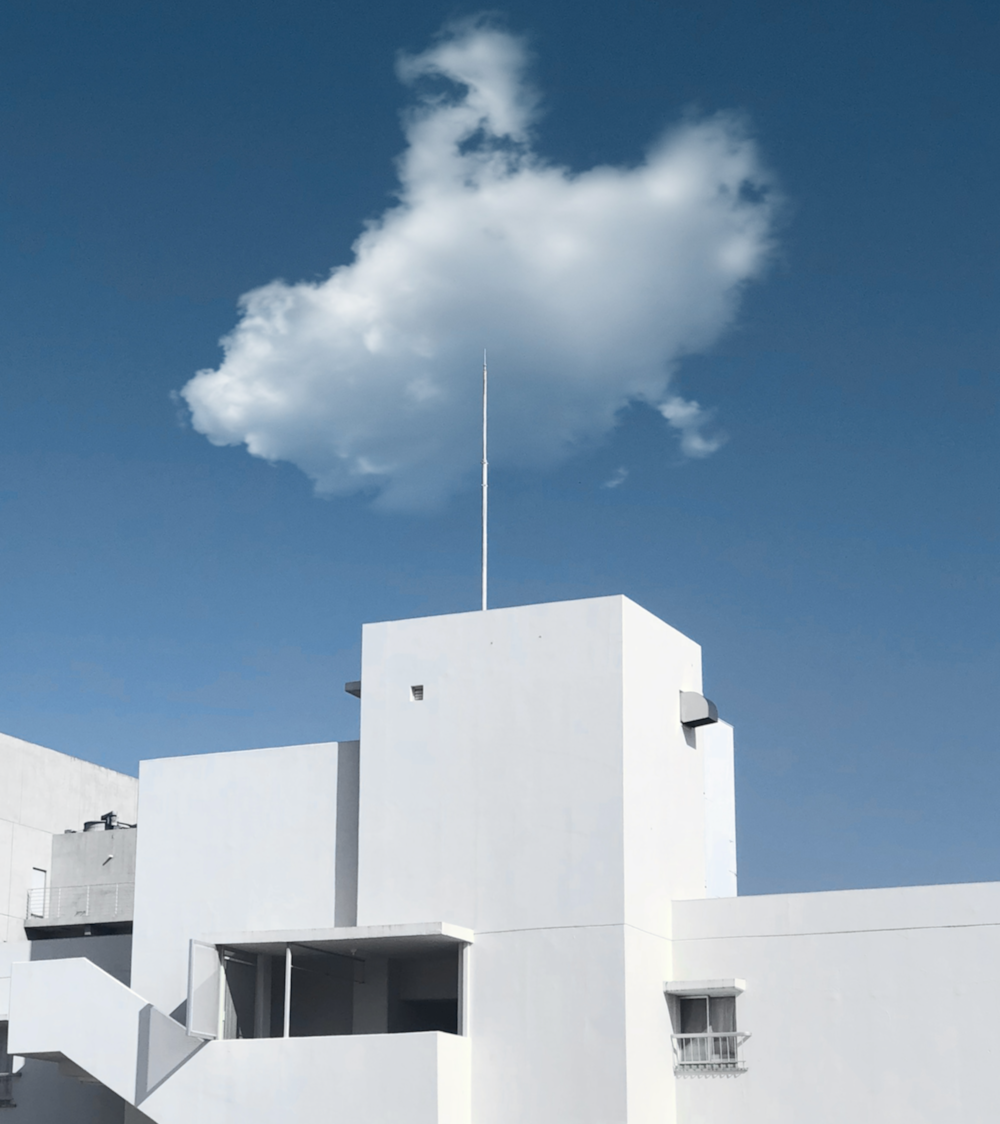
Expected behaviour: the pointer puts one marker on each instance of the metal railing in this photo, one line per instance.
(715, 1052)
(6, 1090)
(79, 905)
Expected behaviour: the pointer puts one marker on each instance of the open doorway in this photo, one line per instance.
(338, 991)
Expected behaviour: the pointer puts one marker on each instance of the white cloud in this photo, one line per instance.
(689, 417)
(587, 287)
(618, 478)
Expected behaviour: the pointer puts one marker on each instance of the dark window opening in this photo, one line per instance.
(6, 1071)
(704, 1014)
(254, 994)
(423, 994)
(322, 993)
(334, 994)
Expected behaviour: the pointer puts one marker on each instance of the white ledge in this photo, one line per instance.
(705, 987)
(369, 938)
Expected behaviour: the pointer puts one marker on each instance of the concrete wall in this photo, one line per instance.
(258, 840)
(370, 1079)
(113, 954)
(547, 1016)
(663, 775)
(716, 744)
(543, 793)
(42, 1094)
(518, 737)
(544, 779)
(92, 883)
(421, 1078)
(666, 824)
(93, 858)
(44, 793)
(862, 1005)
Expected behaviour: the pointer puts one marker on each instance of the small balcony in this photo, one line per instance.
(714, 1052)
(70, 907)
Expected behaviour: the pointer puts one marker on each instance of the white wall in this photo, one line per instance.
(500, 801)
(663, 776)
(369, 1079)
(547, 1021)
(716, 745)
(496, 802)
(49, 1005)
(863, 1005)
(544, 794)
(113, 953)
(93, 858)
(650, 1090)
(239, 841)
(43, 793)
(43, 1095)
(69, 1008)
(665, 827)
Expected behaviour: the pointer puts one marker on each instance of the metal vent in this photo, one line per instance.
(696, 710)
(417, 693)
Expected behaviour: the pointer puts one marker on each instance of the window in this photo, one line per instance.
(701, 1014)
(417, 693)
(705, 1038)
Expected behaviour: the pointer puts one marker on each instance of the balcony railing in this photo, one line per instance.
(714, 1052)
(80, 905)
(6, 1090)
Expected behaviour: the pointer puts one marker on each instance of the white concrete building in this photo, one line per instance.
(512, 902)
(70, 886)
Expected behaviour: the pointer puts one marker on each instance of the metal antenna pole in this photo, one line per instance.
(485, 481)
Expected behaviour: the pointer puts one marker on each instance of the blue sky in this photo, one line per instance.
(836, 556)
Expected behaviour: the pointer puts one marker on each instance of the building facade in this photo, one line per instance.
(69, 889)
(514, 901)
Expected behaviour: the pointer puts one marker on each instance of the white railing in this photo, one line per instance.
(78, 905)
(714, 1052)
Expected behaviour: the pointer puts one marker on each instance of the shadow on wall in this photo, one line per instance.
(43, 1093)
(112, 953)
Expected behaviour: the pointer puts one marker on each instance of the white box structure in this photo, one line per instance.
(512, 902)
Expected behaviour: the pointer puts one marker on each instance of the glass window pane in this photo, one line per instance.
(722, 1013)
(694, 1015)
